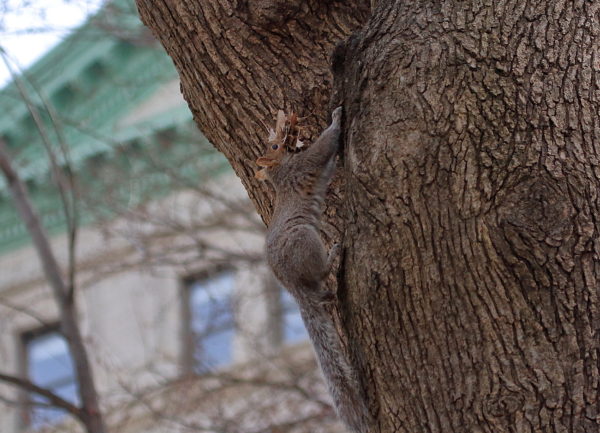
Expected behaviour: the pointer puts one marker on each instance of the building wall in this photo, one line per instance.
(132, 315)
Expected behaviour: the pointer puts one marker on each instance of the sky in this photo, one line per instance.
(29, 28)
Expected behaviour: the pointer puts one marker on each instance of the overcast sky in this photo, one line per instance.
(29, 28)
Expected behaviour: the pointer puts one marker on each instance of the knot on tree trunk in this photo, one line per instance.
(503, 404)
(267, 13)
(539, 209)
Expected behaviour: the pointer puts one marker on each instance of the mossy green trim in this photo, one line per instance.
(81, 91)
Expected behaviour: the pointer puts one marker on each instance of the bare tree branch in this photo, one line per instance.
(93, 419)
(54, 399)
(32, 222)
(65, 182)
(23, 310)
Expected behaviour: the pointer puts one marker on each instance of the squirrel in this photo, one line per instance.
(296, 254)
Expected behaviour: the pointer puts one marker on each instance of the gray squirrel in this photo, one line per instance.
(296, 254)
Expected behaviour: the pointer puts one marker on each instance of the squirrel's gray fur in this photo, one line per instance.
(298, 259)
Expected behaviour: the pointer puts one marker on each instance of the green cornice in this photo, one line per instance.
(65, 62)
(88, 121)
(88, 85)
(62, 65)
(114, 182)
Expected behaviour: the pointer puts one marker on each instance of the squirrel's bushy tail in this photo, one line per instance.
(340, 377)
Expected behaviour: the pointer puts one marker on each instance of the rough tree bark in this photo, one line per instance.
(466, 197)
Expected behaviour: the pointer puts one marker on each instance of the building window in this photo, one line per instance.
(211, 320)
(293, 327)
(49, 366)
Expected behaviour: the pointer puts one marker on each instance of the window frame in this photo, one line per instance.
(24, 338)
(188, 340)
(287, 308)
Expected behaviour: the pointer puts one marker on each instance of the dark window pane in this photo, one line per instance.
(44, 416)
(214, 350)
(212, 321)
(49, 360)
(293, 327)
(50, 366)
(68, 392)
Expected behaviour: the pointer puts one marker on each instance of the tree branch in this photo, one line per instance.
(54, 399)
(92, 418)
(24, 310)
(63, 178)
(33, 224)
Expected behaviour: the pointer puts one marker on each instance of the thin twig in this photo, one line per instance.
(54, 399)
(23, 310)
(68, 203)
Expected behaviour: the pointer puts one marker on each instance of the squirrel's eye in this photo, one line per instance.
(275, 147)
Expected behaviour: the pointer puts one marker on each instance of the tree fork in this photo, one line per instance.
(471, 258)
(239, 62)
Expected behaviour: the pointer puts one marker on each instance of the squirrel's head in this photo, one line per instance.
(283, 138)
(272, 158)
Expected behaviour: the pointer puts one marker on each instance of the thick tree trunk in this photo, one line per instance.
(468, 195)
(239, 62)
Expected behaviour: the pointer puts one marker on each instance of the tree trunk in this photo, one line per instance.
(467, 196)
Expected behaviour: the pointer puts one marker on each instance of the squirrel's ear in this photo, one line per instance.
(265, 161)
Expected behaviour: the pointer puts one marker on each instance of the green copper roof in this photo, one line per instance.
(85, 93)
(89, 84)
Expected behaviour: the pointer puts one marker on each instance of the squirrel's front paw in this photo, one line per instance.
(336, 116)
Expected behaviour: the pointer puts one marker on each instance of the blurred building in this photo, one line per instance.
(186, 329)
